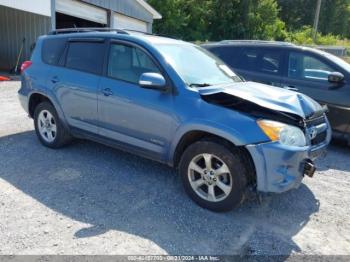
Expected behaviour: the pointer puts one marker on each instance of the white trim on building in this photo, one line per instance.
(150, 9)
(126, 22)
(82, 10)
(40, 7)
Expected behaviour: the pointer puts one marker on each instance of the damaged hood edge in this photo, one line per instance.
(270, 97)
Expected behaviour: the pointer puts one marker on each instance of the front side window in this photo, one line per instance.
(196, 66)
(307, 67)
(86, 56)
(128, 63)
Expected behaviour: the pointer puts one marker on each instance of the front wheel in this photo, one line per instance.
(214, 175)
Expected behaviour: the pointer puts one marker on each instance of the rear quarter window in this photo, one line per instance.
(52, 50)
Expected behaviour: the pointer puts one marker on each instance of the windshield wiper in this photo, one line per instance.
(199, 85)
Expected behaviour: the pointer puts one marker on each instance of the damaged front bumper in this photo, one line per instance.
(280, 168)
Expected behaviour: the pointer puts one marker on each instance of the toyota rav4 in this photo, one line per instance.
(173, 102)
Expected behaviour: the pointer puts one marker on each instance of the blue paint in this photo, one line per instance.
(151, 122)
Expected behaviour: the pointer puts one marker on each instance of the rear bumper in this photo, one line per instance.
(280, 168)
(23, 101)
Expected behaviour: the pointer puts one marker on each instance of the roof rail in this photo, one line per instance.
(256, 42)
(136, 31)
(146, 33)
(86, 30)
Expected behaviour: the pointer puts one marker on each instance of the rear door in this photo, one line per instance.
(308, 73)
(75, 81)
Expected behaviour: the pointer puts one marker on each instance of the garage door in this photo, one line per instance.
(82, 10)
(126, 22)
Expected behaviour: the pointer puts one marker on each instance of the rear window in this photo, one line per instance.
(53, 50)
(86, 56)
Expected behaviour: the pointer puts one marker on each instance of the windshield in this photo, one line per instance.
(339, 61)
(196, 66)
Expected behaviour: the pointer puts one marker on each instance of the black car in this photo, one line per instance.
(318, 74)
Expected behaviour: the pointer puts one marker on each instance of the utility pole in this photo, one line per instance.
(317, 18)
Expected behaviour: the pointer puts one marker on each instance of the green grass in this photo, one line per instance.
(347, 59)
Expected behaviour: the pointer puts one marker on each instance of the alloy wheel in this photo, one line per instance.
(47, 126)
(210, 177)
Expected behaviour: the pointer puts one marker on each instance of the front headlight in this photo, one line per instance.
(285, 134)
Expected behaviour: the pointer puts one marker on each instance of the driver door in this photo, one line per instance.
(308, 73)
(138, 118)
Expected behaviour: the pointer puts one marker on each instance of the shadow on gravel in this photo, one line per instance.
(112, 190)
(338, 151)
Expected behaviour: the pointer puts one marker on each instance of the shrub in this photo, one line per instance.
(304, 37)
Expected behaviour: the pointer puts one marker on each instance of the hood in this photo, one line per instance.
(265, 96)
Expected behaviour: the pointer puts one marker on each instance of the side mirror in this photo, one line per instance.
(335, 77)
(152, 81)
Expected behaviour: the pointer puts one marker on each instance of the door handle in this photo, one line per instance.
(292, 88)
(107, 92)
(55, 79)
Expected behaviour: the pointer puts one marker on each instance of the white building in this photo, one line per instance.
(24, 20)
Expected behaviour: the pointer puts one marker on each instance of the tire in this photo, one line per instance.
(46, 119)
(234, 175)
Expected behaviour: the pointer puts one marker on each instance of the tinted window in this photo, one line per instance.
(52, 50)
(129, 63)
(85, 56)
(228, 54)
(270, 62)
(248, 60)
(301, 66)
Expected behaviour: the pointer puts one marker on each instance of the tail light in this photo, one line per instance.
(25, 65)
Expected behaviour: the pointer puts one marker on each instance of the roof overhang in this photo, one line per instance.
(150, 9)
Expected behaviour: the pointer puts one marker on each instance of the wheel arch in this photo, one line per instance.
(38, 97)
(34, 100)
(193, 136)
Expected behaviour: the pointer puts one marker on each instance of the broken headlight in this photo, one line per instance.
(285, 134)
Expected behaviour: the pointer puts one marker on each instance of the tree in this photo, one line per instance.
(185, 19)
(334, 17)
(215, 20)
(264, 23)
(297, 13)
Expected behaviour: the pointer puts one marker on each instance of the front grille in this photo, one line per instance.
(320, 138)
(317, 123)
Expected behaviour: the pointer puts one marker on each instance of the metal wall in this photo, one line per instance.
(126, 7)
(14, 26)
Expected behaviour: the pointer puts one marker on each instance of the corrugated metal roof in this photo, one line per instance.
(131, 8)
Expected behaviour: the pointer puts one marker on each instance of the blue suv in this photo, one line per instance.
(175, 103)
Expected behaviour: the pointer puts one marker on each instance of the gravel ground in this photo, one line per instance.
(91, 199)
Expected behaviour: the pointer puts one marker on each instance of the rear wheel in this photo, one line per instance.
(214, 175)
(48, 126)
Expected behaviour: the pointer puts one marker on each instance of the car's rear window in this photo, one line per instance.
(52, 50)
(86, 56)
